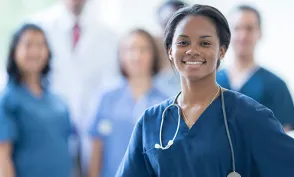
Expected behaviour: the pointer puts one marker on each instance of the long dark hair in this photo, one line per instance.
(11, 68)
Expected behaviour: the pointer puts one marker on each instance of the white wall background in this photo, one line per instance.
(275, 50)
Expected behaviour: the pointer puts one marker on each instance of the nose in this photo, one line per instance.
(242, 35)
(193, 51)
(136, 54)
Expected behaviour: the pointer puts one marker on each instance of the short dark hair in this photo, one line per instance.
(245, 7)
(11, 67)
(175, 4)
(155, 59)
(221, 24)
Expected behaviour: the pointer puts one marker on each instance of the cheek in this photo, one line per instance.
(178, 54)
(44, 55)
(127, 65)
(21, 56)
(213, 56)
(147, 60)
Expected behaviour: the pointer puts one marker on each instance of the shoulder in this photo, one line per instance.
(270, 77)
(9, 97)
(159, 94)
(113, 93)
(48, 17)
(154, 113)
(109, 96)
(245, 110)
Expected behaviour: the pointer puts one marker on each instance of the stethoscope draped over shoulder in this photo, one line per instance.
(170, 142)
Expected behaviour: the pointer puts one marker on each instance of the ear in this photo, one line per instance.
(170, 54)
(260, 34)
(222, 52)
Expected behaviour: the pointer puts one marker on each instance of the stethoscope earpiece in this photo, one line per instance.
(157, 146)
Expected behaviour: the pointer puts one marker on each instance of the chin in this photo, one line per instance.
(195, 77)
(243, 53)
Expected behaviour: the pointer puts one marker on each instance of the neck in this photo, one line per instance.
(140, 86)
(33, 82)
(199, 92)
(243, 63)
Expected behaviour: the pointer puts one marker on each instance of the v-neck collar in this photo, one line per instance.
(131, 97)
(246, 82)
(212, 111)
(26, 91)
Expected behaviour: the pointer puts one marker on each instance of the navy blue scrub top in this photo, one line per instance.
(39, 129)
(267, 89)
(262, 149)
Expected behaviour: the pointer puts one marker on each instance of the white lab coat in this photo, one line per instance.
(80, 75)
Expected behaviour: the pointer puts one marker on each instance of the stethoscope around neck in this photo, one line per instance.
(171, 142)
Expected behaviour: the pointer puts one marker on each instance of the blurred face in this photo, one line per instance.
(31, 53)
(196, 48)
(245, 33)
(75, 6)
(137, 56)
(165, 14)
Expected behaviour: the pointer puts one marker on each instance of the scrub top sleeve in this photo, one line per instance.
(8, 127)
(272, 149)
(283, 106)
(133, 163)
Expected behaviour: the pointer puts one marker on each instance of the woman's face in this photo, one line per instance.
(32, 52)
(137, 55)
(195, 48)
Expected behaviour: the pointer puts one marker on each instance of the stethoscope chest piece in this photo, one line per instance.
(234, 174)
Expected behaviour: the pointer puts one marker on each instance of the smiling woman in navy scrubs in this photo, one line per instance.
(251, 144)
(34, 123)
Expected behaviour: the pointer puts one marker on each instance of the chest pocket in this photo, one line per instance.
(191, 156)
(159, 161)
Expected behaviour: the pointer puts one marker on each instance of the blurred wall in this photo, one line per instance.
(274, 50)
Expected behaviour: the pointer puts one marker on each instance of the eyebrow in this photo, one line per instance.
(204, 36)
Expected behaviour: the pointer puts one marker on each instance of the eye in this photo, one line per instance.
(182, 43)
(205, 43)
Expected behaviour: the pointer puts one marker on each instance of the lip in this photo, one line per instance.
(194, 62)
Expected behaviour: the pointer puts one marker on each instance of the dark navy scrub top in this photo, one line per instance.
(262, 149)
(267, 89)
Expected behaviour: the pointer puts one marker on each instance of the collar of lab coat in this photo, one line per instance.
(65, 20)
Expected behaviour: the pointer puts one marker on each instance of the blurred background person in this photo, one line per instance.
(167, 79)
(84, 61)
(247, 76)
(34, 123)
(120, 108)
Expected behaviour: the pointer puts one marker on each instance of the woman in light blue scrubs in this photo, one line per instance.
(121, 107)
(34, 123)
(205, 131)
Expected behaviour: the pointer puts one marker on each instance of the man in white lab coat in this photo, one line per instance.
(84, 58)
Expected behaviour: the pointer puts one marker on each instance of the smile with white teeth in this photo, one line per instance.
(193, 62)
